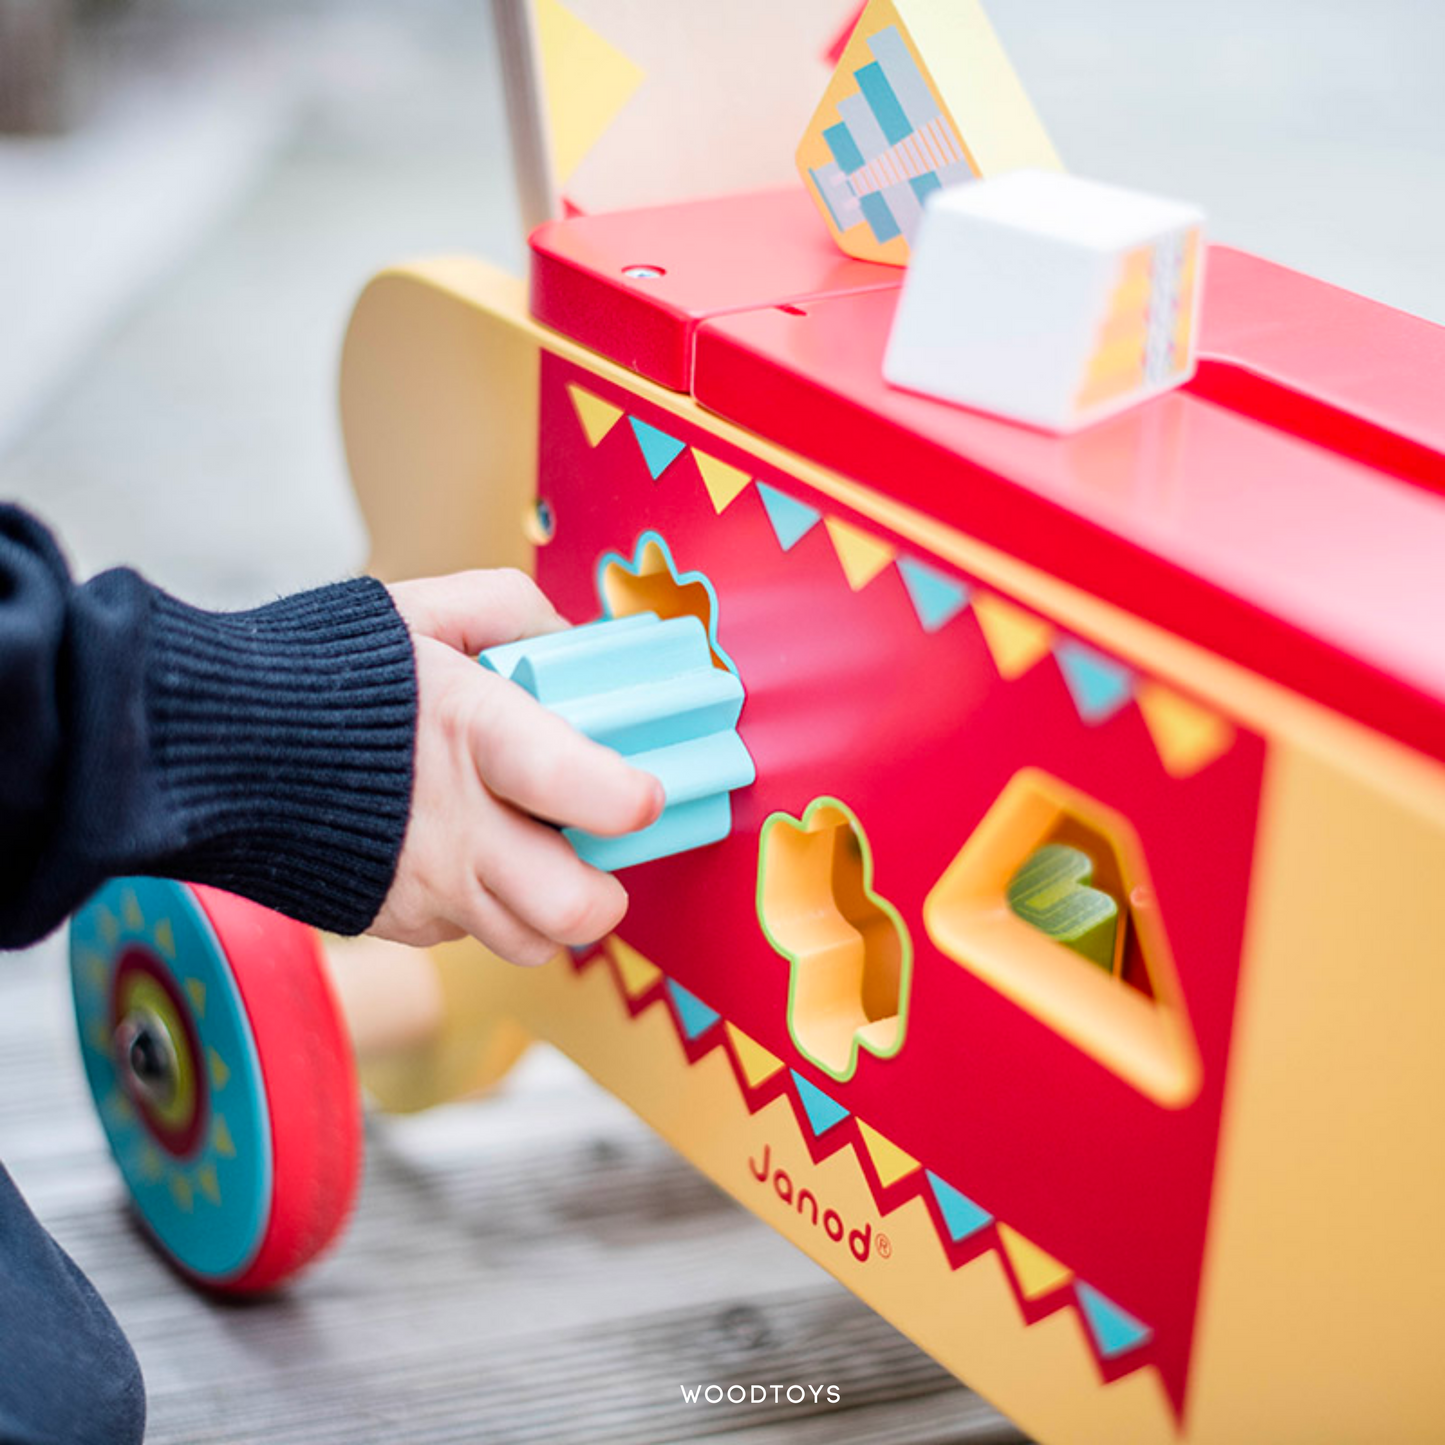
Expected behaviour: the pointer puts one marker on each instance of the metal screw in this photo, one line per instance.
(643, 273)
(146, 1056)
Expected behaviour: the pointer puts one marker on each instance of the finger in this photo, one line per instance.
(532, 870)
(541, 763)
(483, 915)
(472, 611)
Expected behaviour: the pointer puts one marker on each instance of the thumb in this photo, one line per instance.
(472, 611)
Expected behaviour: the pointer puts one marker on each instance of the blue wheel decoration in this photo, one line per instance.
(172, 1062)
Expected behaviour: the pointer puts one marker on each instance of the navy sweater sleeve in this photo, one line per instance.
(266, 752)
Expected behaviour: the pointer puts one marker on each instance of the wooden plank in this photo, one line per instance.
(537, 1267)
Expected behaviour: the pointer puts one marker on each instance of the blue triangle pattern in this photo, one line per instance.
(822, 1111)
(659, 450)
(1099, 685)
(696, 1017)
(962, 1216)
(1115, 1330)
(937, 598)
(792, 520)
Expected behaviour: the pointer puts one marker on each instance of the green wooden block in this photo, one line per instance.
(1051, 892)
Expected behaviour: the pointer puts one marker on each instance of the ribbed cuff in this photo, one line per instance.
(284, 742)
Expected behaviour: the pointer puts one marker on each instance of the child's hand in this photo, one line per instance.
(489, 761)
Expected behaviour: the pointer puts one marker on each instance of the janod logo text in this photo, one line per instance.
(805, 1203)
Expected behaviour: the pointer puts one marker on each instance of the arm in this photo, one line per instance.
(336, 755)
(267, 752)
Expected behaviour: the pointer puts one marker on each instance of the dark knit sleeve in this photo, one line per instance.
(267, 752)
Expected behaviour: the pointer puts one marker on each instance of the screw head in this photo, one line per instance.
(643, 273)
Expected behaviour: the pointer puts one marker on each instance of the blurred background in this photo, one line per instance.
(191, 195)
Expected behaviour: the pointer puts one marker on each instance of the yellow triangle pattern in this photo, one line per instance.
(757, 1063)
(862, 554)
(151, 1165)
(1189, 737)
(1017, 639)
(109, 928)
(181, 1191)
(94, 968)
(196, 991)
(587, 81)
(221, 1140)
(208, 1184)
(119, 1107)
(638, 975)
(130, 909)
(725, 484)
(165, 937)
(888, 1159)
(598, 417)
(1037, 1272)
(220, 1074)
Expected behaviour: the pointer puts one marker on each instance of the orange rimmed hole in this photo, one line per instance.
(1129, 1015)
(849, 953)
(651, 584)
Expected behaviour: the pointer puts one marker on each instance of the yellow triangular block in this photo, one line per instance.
(888, 1159)
(587, 80)
(221, 1140)
(1037, 1272)
(598, 417)
(862, 554)
(923, 96)
(196, 991)
(725, 484)
(1187, 735)
(1017, 639)
(165, 937)
(208, 1184)
(638, 974)
(757, 1063)
(220, 1073)
(181, 1191)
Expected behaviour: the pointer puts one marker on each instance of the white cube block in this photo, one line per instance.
(1049, 299)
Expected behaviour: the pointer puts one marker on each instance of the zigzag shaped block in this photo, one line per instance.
(649, 689)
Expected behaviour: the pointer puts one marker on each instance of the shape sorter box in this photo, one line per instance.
(1197, 1202)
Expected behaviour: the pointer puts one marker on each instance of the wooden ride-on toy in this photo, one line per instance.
(1067, 980)
(1122, 1202)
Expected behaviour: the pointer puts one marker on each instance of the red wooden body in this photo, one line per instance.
(1258, 515)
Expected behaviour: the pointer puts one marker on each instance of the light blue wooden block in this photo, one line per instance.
(648, 688)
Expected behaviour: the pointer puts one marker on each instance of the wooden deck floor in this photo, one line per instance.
(537, 1267)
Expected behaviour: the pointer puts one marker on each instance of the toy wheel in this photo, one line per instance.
(223, 1076)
